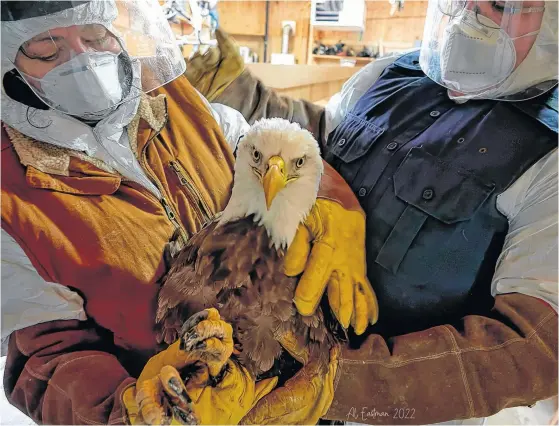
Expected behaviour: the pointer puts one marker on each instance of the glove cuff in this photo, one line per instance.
(333, 187)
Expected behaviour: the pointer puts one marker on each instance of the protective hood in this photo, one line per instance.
(148, 45)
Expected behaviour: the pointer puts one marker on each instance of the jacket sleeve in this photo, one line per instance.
(248, 95)
(472, 369)
(65, 372)
(60, 367)
(27, 299)
(528, 262)
(485, 363)
(221, 77)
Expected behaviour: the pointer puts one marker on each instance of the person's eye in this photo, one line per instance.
(49, 58)
(97, 34)
(44, 50)
(39, 57)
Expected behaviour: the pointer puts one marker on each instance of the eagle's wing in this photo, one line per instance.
(175, 300)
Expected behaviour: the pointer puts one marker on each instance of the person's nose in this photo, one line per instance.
(76, 42)
(77, 45)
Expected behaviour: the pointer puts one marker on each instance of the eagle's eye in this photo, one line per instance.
(256, 156)
(299, 163)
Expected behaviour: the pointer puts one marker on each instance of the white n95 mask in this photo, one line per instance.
(89, 85)
(475, 53)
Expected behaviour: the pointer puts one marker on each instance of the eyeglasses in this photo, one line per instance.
(453, 8)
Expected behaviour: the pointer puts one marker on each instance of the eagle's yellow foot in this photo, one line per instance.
(209, 338)
(163, 397)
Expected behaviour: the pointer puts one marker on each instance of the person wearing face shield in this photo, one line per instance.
(452, 152)
(109, 157)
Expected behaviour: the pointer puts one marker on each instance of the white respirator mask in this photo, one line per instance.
(475, 53)
(90, 85)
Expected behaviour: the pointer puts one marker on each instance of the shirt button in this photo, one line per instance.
(434, 113)
(392, 146)
(341, 142)
(428, 194)
(362, 192)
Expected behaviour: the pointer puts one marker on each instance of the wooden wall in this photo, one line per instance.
(245, 20)
(405, 26)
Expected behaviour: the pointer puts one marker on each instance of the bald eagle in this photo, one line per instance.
(235, 263)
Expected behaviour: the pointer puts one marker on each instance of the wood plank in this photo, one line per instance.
(242, 17)
(289, 76)
(313, 92)
(298, 11)
(337, 58)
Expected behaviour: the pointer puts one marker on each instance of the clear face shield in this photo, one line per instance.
(491, 49)
(89, 59)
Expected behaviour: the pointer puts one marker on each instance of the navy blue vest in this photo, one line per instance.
(427, 172)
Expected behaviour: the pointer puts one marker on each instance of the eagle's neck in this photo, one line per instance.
(290, 207)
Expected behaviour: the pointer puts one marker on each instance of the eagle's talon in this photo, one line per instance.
(193, 321)
(179, 391)
(200, 346)
(189, 340)
(184, 417)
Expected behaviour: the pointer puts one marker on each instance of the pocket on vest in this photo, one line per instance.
(349, 143)
(432, 190)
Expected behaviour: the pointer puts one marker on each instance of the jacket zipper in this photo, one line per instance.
(199, 205)
(171, 214)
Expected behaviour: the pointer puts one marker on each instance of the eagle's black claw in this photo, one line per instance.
(193, 321)
(188, 337)
(184, 417)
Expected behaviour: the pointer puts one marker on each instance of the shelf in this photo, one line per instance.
(351, 58)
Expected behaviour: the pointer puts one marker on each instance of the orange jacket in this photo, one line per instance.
(89, 229)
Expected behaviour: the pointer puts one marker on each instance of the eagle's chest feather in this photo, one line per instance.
(234, 268)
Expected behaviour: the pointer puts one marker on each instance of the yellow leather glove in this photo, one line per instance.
(208, 342)
(304, 398)
(231, 399)
(196, 402)
(211, 72)
(329, 249)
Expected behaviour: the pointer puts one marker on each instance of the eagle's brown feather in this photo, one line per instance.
(234, 268)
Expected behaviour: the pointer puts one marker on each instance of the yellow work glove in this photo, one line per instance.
(209, 344)
(197, 403)
(329, 249)
(211, 72)
(304, 398)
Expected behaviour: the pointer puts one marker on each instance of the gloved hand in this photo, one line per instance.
(329, 249)
(208, 342)
(304, 398)
(197, 403)
(210, 73)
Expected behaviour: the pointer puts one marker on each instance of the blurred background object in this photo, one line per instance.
(306, 30)
(288, 42)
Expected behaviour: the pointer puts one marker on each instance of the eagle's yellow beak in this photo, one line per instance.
(274, 179)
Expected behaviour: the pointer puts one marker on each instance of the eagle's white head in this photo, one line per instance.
(277, 175)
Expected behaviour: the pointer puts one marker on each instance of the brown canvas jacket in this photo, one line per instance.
(86, 227)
